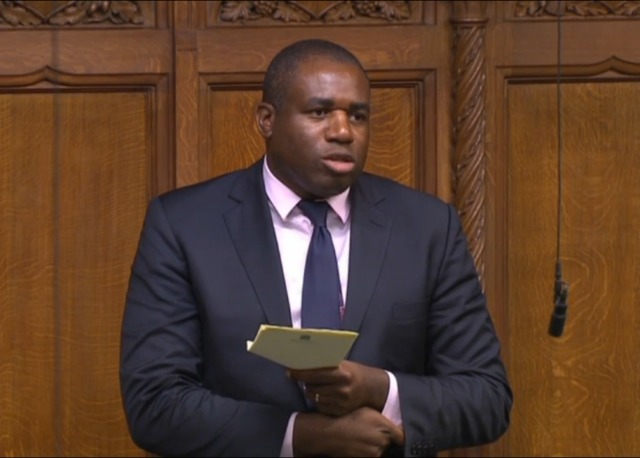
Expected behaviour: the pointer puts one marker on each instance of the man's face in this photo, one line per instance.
(318, 139)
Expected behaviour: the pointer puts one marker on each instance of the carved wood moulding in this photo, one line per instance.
(78, 13)
(316, 13)
(469, 118)
(575, 10)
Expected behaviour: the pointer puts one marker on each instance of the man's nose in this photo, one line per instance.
(339, 129)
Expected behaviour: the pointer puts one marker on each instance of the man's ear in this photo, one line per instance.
(265, 116)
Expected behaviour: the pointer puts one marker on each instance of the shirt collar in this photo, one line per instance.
(285, 200)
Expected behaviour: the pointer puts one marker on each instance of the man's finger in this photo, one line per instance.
(397, 435)
(320, 376)
(324, 394)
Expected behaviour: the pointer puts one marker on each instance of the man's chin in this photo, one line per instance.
(333, 188)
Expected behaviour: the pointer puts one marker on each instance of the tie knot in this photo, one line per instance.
(316, 211)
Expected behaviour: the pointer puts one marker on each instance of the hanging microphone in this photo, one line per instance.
(559, 316)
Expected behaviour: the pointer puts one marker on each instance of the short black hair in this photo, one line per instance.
(284, 65)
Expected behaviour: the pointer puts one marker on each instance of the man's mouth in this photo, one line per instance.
(339, 163)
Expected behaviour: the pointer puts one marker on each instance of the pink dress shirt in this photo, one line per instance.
(293, 232)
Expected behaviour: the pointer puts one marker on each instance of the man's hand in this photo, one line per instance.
(341, 390)
(364, 432)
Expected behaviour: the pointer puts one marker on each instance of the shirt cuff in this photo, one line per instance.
(287, 443)
(392, 406)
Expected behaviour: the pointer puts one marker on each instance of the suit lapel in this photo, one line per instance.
(251, 229)
(370, 230)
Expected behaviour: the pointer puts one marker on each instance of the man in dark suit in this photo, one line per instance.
(305, 238)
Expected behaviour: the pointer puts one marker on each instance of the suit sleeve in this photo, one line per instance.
(168, 410)
(465, 399)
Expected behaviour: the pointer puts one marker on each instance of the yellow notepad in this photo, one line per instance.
(302, 348)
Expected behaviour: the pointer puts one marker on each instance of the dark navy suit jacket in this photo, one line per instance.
(207, 274)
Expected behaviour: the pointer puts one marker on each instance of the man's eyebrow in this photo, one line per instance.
(324, 103)
(360, 106)
(329, 103)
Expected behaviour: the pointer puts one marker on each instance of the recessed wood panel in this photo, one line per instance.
(74, 171)
(577, 395)
(105, 146)
(236, 142)
(27, 308)
(392, 148)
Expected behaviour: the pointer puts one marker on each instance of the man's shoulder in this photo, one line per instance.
(401, 196)
(194, 197)
(416, 214)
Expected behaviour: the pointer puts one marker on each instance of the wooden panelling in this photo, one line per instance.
(87, 128)
(103, 180)
(187, 168)
(403, 48)
(158, 123)
(72, 208)
(535, 43)
(81, 52)
(105, 104)
(28, 321)
(577, 395)
(394, 121)
(557, 381)
(235, 141)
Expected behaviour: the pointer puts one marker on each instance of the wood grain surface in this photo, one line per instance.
(72, 209)
(28, 324)
(578, 395)
(103, 170)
